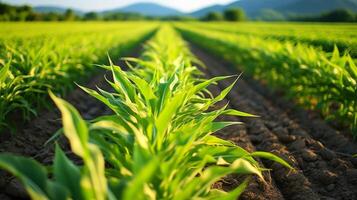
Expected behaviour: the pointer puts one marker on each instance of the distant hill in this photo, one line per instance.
(202, 12)
(55, 9)
(148, 9)
(317, 6)
(254, 7)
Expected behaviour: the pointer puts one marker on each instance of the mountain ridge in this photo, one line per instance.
(252, 8)
(149, 9)
(56, 9)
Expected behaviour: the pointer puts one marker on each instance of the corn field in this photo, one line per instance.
(177, 110)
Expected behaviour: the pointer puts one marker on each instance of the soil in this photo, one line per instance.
(320, 155)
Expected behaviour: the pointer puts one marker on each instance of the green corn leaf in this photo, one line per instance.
(32, 175)
(121, 79)
(213, 140)
(216, 126)
(74, 126)
(168, 112)
(234, 194)
(237, 113)
(101, 98)
(57, 191)
(66, 173)
(224, 93)
(75, 129)
(144, 88)
(271, 156)
(136, 186)
(206, 83)
(3, 72)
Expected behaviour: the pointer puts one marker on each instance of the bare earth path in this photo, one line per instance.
(324, 167)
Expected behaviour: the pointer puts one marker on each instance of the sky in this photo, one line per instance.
(98, 5)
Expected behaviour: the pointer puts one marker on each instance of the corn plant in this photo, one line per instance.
(45, 60)
(312, 77)
(158, 143)
(320, 35)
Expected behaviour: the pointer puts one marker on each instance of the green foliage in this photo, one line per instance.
(315, 79)
(40, 59)
(321, 35)
(158, 144)
(91, 16)
(234, 14)
(213, 16)
(26, 13)
(69, 15)
(340, 15)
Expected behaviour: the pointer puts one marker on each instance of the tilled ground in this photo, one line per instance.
(321, 155)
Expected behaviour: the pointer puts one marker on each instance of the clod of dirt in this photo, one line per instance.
(298, 132)
(2, 180)
(354, 161)
(309, 155)
(342, 167)
(298, 145)
(321, 165)
(352, 175)
(271, 125)
(287, 138)
(256, 139)
(4, 197)
(280, 131)
(16, 189)
(317, 145)
(330, 187)
(327, 154)
(326, 177)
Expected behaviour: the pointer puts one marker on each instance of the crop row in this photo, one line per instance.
(326, 36)
(312, 77)
(158, 144)
(31, 64)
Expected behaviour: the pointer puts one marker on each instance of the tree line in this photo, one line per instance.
(26, 13)
(233, 14)
(237, 14)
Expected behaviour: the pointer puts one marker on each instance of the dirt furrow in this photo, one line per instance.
(257, 189)
(321, 172)
(339, 141)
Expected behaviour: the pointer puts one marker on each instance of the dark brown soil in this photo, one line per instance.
(320, 154)
(30, 138)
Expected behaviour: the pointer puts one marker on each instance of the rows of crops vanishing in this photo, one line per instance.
(158, 144)
(315, 79)
(52, 56)
(326, 36)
